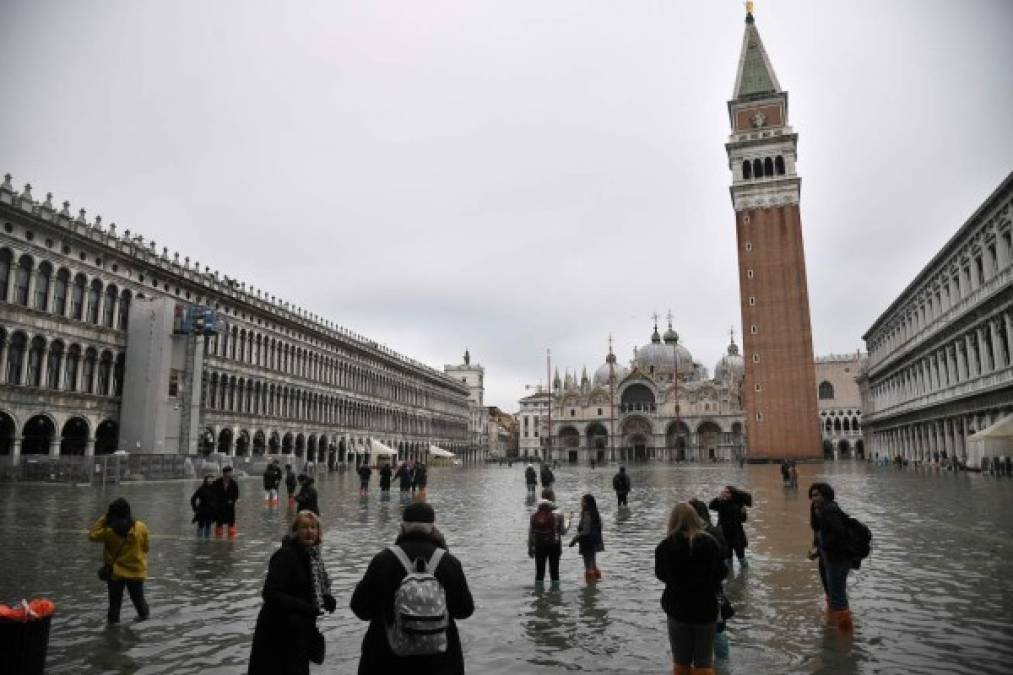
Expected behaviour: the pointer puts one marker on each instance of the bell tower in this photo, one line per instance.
(779, 389)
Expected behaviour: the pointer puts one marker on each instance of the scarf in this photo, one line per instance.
(318, 573)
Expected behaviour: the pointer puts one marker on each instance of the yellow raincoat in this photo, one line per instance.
(131, 564)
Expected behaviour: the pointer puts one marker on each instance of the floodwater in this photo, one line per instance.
(934, 597)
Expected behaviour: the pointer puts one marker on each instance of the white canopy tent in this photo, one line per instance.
(380, 450)
(435, 451)
(995, 440)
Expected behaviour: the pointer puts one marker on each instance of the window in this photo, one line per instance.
(759, 416)
(70, 369)
(108, 317)
(88, 372)
(768, 167)
(747, 170)
(60, 292)
(42, 278)
(5, 270)
(756, 358)
(15, 357)
(757, 387)
(36, 356)
(173, 384)
(749, 244)
(599, 412)
(753, 329)
(21, 277)
(749, 273)
(826, 391)
(752, 301)
(53, 365)
(779, 165)
(94, 298)
(572, 412)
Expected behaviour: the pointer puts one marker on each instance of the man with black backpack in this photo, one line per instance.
(840, 543)
(411, 594)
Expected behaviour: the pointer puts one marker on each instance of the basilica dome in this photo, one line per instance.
(601, 376)
(731, 364)
(659, 358)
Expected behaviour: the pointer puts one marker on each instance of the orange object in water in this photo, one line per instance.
(42, 607)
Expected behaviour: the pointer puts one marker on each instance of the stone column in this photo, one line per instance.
(116, 312)
(993, 327)
(31, 286)
(972, 365)
(16, 451)
(951, 363)
(3, 360)
(44, 367)
(982, 351)
(54, 446)
(1007, 318)
(60, 363)
(101, 305)
(89, 447)
(25, 357)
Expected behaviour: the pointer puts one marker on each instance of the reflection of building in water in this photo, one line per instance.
(840, 404)
(664, 405)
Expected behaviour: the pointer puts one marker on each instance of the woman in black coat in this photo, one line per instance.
(689, 563)
(731, 509)
(296, 591)
(204, 506)
(306, 498)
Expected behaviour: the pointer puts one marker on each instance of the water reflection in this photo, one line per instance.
(935, 596)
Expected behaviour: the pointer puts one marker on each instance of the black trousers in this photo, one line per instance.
(621, 498)
(552, 554)
(226, 515)
(136, 591)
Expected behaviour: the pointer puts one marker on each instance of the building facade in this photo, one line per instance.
(662, 406)
(532, 423)
(779, 388)
(840, 405)
(939, 366)
(473, 377)
(275, 378)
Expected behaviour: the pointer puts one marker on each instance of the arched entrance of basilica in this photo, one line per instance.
(637, 444)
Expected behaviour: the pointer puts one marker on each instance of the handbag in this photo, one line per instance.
(725, 607)
(316, 647)
(105, 573)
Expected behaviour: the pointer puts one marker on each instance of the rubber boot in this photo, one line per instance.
(589, 577)
(597, 573)
(842, 619)
(539, 585)
(232, 532)
(721, 647)
(219, 531)
(681, 670)
(554, 585)
(702, 671)
(743, 563)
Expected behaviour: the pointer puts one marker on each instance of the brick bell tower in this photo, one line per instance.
(779, 389)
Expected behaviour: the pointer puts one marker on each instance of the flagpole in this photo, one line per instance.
(548, 375)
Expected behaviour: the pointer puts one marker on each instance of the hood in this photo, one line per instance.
(426, 531)
(545, 503)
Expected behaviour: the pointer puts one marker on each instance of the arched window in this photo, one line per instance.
(124, 310)
(77, 297)
(6, 257)
(118, 375)
(846, 424)
(747, 170)
(88, 372)
(837, 424)
(53, 363)
(71, 367)
(60, 292)
(768, 167)
(21, 278)
(110, 305)
(16, 357)
(826, 391)
(94, 299)
(757, 168)
(36, 355)
(105, 368)
(43, 276)
(779, 165)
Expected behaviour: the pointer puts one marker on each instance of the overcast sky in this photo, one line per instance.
(510, 176)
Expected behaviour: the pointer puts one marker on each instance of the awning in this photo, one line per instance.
(440, 452)
(1001, 429)
(378, 448)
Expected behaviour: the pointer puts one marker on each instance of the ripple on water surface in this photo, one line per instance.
(935, 596)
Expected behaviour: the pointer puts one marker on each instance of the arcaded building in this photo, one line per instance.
(779, 392)
(840, 404)
(274, 378)
(940, 367)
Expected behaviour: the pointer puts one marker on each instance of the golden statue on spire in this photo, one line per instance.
(749, 6)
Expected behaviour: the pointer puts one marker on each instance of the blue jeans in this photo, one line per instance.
(835, 578)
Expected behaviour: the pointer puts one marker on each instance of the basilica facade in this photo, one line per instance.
(662, 405)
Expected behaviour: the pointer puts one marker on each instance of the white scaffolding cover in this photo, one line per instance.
(378, 448)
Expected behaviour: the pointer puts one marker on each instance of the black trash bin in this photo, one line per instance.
(23, 646)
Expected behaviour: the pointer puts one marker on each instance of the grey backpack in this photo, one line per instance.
(420, 609)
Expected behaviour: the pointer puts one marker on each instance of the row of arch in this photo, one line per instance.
(842, 424)
(310, 446)
(38, 436)
(760, 168)
(260, 350)
(229, 393)
(677, 433)
(43, 287)
(53, 364)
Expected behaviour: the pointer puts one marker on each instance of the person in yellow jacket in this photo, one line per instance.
(125, 551)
